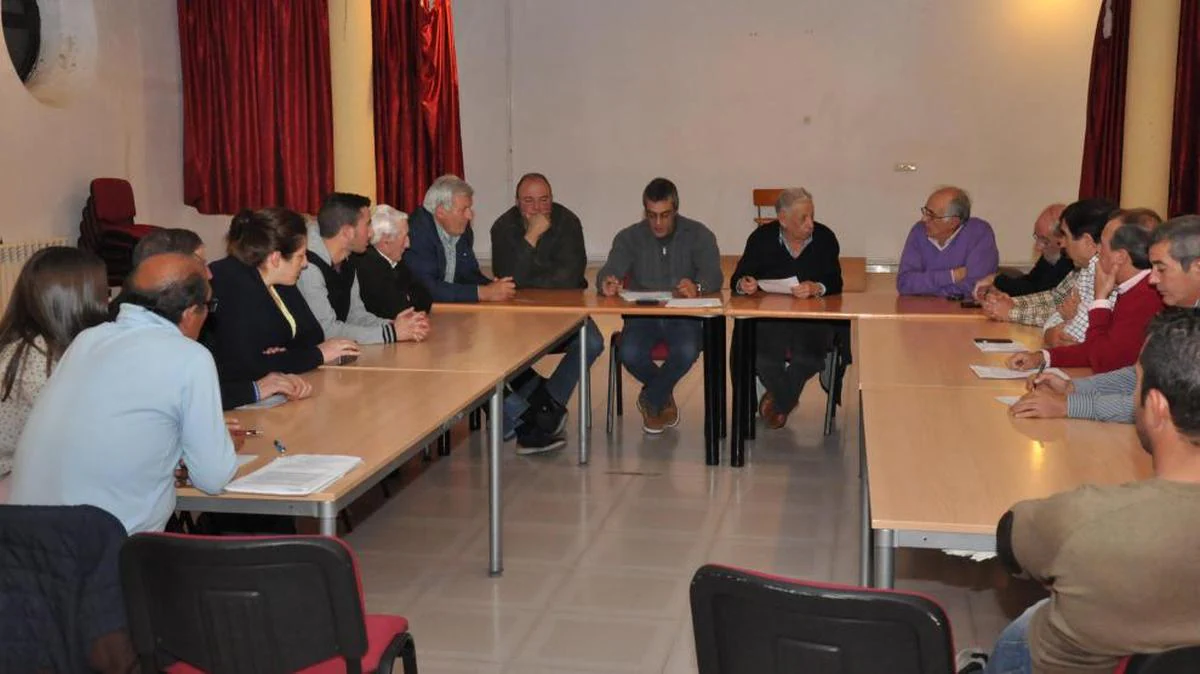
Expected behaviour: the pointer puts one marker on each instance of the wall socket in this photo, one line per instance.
(904, 167)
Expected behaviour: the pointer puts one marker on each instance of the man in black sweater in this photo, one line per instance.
(788, 353)
(1051, 267)
(385, 283)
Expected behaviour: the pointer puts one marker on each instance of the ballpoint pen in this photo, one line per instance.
(280, 448)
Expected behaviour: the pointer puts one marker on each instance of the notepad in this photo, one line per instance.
(1008, 400)
(295, 475)
(1001, 347)
(266, 403)
(779, 286)
(243, 459)
(645, 295)
(991, 372)
(697, 303)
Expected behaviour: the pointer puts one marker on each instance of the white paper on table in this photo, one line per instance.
(243, 459)
(779, 286)
(697, 303)
(991, 372)
(1009, 401)
(972, 555)
(645, 295)
(295, 475)
(1003, 347)
(267, 403)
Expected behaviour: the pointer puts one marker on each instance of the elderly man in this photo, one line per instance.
(789, 353)
(330, 285)
(1118, 560)
(140, 395)
(1175, 273)
(539, 242)
(388, 288)
(948, 250)
(1056, 311)
(1051, 266)
(667, 252)
(1115, 328)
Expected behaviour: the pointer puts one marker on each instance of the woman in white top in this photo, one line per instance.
(59, 292)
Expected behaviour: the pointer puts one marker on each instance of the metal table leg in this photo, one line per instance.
(712, 441)
(885, 559)
(495, 562)
(329, 525)
(743, 392)
(585, 395)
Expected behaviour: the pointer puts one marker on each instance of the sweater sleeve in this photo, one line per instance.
(746, 265)
(1038, 279)
(312, 286)
(1111, 343)
(620, 260)
(983, 259)
(568, 259)
(831, 275)
(707, 262)
(912, 278)
(511, 254)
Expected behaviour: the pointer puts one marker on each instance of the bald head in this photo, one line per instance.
(173, 286)
(158, 271)
(944, 211)
(1047, 240)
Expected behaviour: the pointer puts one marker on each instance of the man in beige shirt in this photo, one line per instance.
(1119, 561)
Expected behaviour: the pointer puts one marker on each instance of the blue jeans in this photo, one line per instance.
(1011, 652)
(683, 337)
(561, 383)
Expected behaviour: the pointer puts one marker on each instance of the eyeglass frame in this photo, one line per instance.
(926, 213)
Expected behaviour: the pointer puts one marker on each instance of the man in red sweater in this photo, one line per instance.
(1115, 330)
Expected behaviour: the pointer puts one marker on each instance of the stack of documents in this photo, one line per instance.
(1001, 347)
(296, 475)
(646, 295)
(990, 372)
(698, 303)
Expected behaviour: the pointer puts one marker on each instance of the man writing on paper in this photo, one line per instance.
(665, 251)
(948, 250)
(140, 395)
(1175, 273)
(1119, 560)
(1115, 329)
(1052, 265)
(789, 353)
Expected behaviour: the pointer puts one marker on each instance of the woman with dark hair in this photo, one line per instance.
(264, 330)
(59, 293)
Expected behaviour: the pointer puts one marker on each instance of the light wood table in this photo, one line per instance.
(590, 302)
(381, 417)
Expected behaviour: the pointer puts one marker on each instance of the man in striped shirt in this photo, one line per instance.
(1175, 273)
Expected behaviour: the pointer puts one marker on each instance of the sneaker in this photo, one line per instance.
(537, 441)
(670, 414)
(772, 417)
(970, 661)
(651, 423)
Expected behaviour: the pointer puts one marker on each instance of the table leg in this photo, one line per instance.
(737, 419)
(712, 442)
(495, 563)
(864, 565)
(885, 559)
(329, 525)
(585, 395)
(722, 361)
(749, 351)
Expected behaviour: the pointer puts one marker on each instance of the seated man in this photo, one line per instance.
(1115, 328)
(330, 285)
(948, 250)
(140, 395)
(1051, 266)
(1057, 311)
(789, 353)
(1119, 560)
(665, 251)
(1175, 273)
(387, 286)
(442, 255)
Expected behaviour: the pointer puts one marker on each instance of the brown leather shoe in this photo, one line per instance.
(651, 423)
(670, 414)
(772, 417)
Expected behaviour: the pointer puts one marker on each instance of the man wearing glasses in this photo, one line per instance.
(948, 251)
(1052, 265)
(664, 252)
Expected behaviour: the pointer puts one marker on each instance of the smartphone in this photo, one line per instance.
(346, 360)
(970, 304)
(993, 340)
(648, 303)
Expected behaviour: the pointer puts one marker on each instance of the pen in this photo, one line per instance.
(245, 432)
(1040, 370)
(280, 448)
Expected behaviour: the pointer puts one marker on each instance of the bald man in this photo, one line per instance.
(1052, 265)
(128, 402)
(947, 251)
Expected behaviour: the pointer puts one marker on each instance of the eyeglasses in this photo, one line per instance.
(926, 213)
(211, 305)
(1045, 240)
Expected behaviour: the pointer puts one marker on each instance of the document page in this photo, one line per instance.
(697, 303)
(295, 475)
(991, 372)
(779, 286)
(646, 295)
(1001, 347)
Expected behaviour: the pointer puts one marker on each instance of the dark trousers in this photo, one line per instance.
(684, 338)
(788, 354)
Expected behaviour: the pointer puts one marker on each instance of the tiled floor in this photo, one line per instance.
(598, 558)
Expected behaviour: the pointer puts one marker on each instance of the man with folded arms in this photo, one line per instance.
(1118, 560)
(128, 401)
(1175, 273)
(1115, 328)
(789, 353)
(664, 252)
(948, 251)
(1052, 265)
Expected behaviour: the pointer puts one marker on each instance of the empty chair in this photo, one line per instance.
(107, 228)
(261, 605)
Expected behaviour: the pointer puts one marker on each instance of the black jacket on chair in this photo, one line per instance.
(387, 290)
(248, 322)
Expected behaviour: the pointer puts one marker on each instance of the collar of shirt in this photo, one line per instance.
(135, 314)
(944, 246)
(1134, 280)
(391, 263)
(803, 244)
(449, 241)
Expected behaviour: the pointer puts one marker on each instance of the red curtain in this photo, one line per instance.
(415, 77)
(1184, 194)
(1104, 137)
(257, 110)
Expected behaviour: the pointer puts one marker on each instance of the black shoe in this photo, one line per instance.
(545, 412)
(537, 441)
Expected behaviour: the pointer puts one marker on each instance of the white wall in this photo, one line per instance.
(726, 96)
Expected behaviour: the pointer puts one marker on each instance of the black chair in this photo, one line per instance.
(255, 605)
(1178, 661)
(750, 623)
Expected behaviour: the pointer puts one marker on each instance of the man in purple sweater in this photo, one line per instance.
(948, 250)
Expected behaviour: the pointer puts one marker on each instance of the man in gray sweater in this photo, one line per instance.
(1175, 272)
(668, 252)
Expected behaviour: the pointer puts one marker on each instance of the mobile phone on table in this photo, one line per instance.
(648, 303)
(993, 340)
(346, 360)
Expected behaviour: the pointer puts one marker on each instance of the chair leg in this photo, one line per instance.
(426, 454)
(831, 360)
(444, 443)
(474, 420)
(612, 394)
(401, 648)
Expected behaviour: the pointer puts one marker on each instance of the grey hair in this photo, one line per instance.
(384, 221)
(960, 203)
(443, 190)
(1183, 233)
(790, 197)
(1134, 239)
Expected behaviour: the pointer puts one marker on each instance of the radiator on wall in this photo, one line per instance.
(12, 257)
